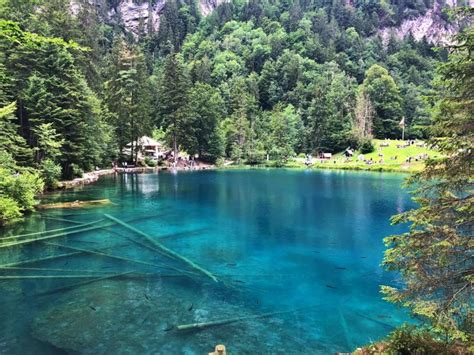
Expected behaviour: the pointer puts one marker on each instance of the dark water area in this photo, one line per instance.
(305, 247)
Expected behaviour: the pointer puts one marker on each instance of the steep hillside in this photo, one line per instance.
(137, 13)
(421, 19)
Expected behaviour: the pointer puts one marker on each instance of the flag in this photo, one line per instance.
(402, 122)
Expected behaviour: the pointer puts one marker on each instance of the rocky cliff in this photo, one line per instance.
(133, 13)
(432, 25)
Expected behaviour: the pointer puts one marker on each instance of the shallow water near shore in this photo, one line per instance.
(303, 246)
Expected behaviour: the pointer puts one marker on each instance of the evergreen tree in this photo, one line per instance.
(286, 132)
(128, 96)
(13, 147)
(173, 102)
(206, 113)
(435, 256)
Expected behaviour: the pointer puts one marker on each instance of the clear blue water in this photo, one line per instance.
(309, 243)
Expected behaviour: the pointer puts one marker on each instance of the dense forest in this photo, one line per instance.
(254, 80)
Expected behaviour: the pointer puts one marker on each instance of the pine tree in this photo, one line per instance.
(435, 256)
(173, 102)
(50, 88)
(206, 112)
(128, 96)
(13, 147)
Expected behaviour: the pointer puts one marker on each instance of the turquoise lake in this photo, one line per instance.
(303, 248)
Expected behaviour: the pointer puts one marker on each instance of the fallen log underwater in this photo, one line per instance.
(50, 231)
(50, 269)
(162, 247)
(32, 261)
(58, 235)
(81, 283)
(203, 325)
(75, 204)
(99, 253)
(59, 219)
(53, 257)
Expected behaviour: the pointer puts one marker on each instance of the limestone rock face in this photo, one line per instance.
(431, 25)
(136, 13)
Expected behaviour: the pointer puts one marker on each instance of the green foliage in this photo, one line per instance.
(11, 142)
(50, 89)
(10, 211)
(50, 172)
(48, 142)
(18, 191)
(286, 132)
(416, 340)
(173, 104)
(205, 114)
(150, 162)
(384, 94)
(435, 256)
(366, 146)
(76, 171)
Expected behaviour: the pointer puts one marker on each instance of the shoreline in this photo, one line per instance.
(93, 176)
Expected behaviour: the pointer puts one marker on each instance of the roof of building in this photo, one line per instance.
(146, 141)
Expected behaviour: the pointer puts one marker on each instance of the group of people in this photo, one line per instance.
(417, 158)
(187, 163)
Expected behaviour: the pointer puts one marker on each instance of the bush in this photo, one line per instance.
(411, 340)
(150, 162)
(161, 162)
(77, 171)
(50, 172)
(220, 162)
(366, 146)
(17, 193)
(21, 188)
(10, 212)
(256, 157)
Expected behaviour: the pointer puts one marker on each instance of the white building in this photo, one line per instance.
(147, 147)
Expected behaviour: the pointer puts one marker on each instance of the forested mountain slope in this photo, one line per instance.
(239, 79)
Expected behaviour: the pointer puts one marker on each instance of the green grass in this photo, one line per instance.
(338, 161)
(390, 164)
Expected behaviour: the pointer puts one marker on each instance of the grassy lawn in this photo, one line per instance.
(394, 159)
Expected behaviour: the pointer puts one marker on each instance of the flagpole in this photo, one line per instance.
(402, 124)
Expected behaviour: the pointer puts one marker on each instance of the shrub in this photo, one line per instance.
(76, 171)
(23, 189)
(220, 162)
(256, 157)
(17, 194)
(410, 340)
(50, 172)
(366, 146)
(150, 162)
(10, 212)
(161, 162)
